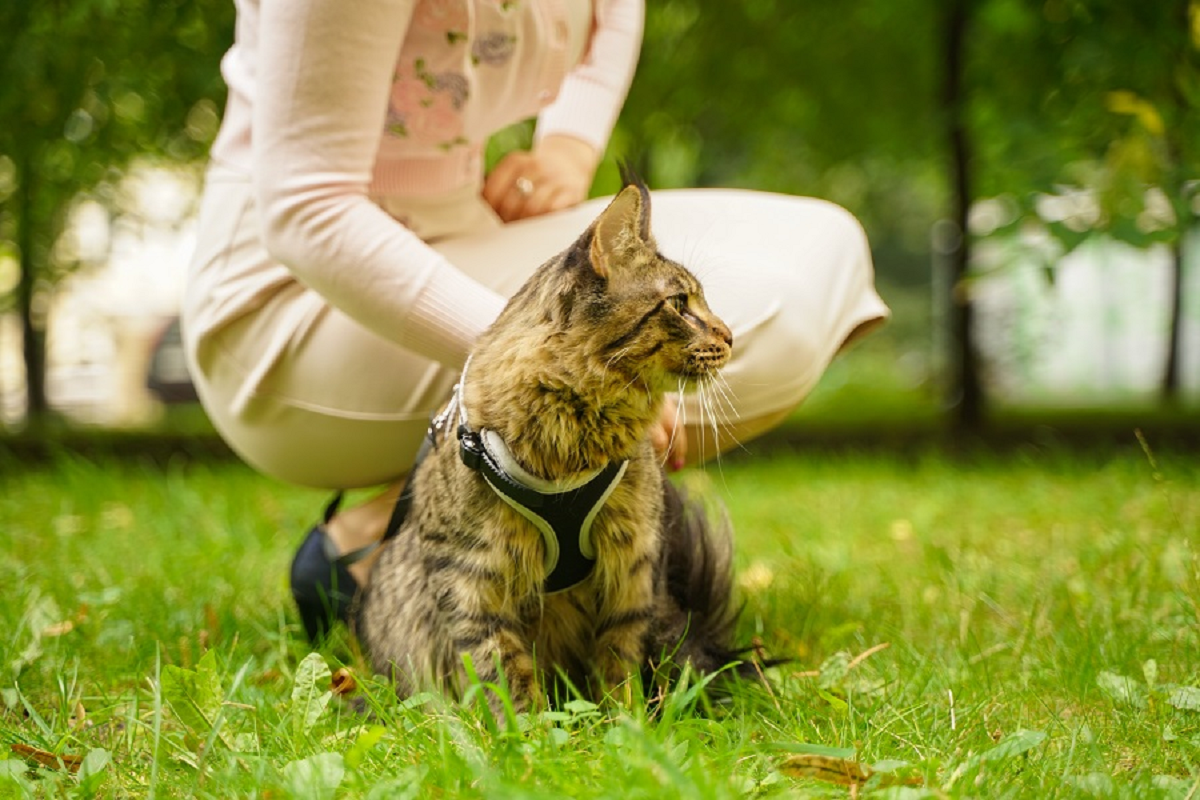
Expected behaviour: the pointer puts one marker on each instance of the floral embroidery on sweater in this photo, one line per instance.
(426, 105)
(493, 49)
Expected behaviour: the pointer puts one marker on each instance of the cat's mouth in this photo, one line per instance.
(705, 361)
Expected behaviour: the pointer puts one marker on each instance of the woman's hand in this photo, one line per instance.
(669, 437)
(555, 175)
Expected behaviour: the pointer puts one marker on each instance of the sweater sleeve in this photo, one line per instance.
(591, 97)
(323, 76)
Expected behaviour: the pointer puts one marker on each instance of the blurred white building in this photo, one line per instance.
(106, 316)
(1087, 328)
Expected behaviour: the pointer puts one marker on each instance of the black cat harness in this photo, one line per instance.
(562, 510)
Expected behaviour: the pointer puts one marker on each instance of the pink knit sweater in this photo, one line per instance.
(335, 102)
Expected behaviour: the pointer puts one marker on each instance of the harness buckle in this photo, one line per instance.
(470, 448)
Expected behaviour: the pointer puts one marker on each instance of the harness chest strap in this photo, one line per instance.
(563, 512)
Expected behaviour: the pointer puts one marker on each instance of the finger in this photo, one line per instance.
(502, 195)
(679, 445)
(562, 197)
(500, 182)
(660, 439)
(672, 412)
(546, 197)
(567, 198)
(513, 204)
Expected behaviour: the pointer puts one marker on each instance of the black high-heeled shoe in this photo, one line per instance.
(322, 586)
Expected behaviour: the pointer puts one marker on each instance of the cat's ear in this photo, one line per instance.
(621, 226)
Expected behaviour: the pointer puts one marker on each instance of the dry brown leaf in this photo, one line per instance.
(185, 652)
(267, 676)
(864, 655)
(840, 771)
(851, 664)
(212, 623)
(47, 759)
(58, 629)
(342, 682)
(78, 720)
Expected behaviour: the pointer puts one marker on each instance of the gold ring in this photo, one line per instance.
(524, 186)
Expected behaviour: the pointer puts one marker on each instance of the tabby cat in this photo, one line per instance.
(546, 542)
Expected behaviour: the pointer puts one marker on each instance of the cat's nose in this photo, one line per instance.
(723, 333)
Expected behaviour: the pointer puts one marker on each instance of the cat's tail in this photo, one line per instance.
(698, 569)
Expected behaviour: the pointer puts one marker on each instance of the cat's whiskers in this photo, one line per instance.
(714, 419)
(724, 402)
(624, 351)
(728, 409)
(702, 425)
(676, 423)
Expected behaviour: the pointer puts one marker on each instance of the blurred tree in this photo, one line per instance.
(1098, 97)
(834, 100)
(965, 398)
(89, 86)
(907, 112)
(893, 109)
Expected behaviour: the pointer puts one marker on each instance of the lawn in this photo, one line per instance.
(1016, 623)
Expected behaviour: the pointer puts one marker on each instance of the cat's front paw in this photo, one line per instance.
(613, 671)
(505, 672)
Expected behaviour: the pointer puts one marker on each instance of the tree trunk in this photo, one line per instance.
(1169, 389)
(965, 391)
(1177, 157)
(33, 340)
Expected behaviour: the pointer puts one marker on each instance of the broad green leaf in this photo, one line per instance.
(409, 785)
(1013, 745)
(310, 692)
(13, 773)
(1124, 690)
(420, 699)
(363, 744)
(194, 695)
(1150, 673)
(316, 777)
(833, 670)
(40, 613)
(1185, 698)
(579, 706)
(91, 771)
(1096, 784)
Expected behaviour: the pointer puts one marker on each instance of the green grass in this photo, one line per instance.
(1039, 609)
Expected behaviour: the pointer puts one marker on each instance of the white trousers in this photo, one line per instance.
(304, 393)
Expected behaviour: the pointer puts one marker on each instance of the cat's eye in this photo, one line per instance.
(679, 302)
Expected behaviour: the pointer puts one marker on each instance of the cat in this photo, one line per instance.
(546, 542)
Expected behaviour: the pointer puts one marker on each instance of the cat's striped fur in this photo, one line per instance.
(571, 375)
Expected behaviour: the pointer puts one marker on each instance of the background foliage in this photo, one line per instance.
(848, 101)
